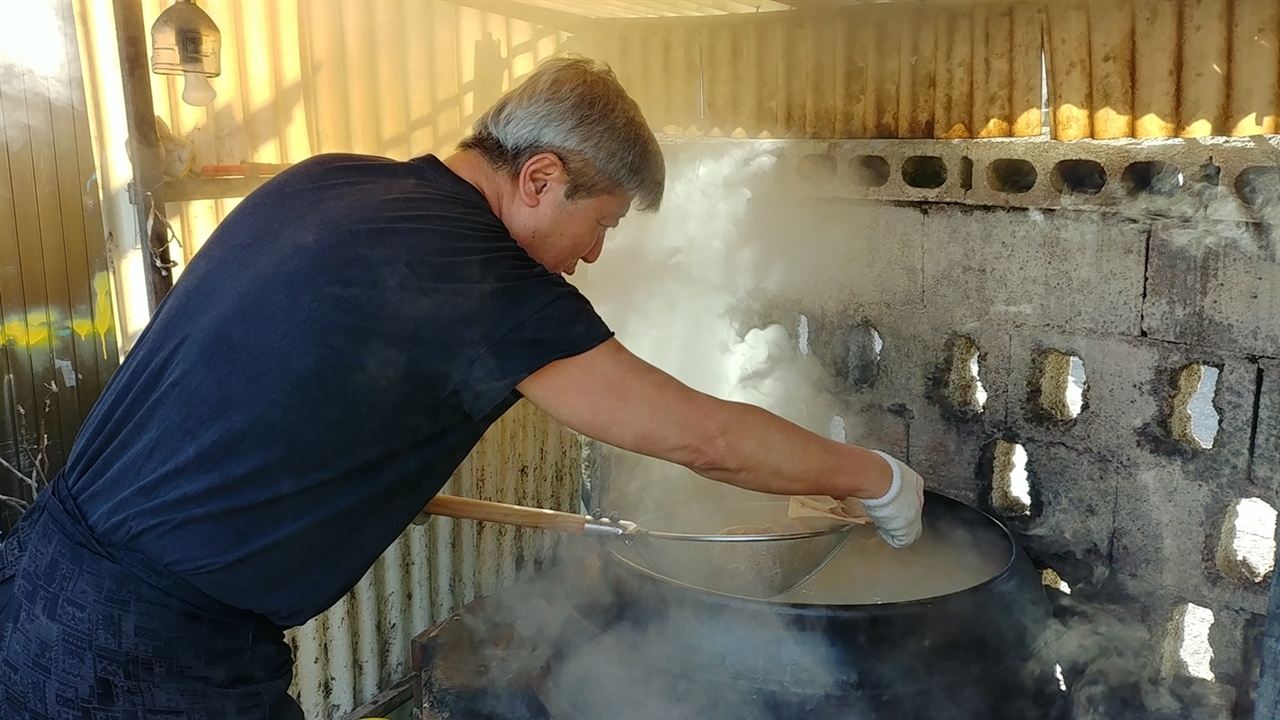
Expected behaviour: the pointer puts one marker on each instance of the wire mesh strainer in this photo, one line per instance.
(763, 554)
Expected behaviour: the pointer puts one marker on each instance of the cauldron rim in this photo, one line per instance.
(826, 609)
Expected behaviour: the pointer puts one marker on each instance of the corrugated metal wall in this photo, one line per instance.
(902, 70)
(361, 645)
(301, 77)
(57, 326)
(1172, 68)
(1116, 69)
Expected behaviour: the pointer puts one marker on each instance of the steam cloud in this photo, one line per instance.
(674, 285)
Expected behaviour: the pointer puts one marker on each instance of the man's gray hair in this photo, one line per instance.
(576, 108)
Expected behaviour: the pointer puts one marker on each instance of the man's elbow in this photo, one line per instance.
(708, 448)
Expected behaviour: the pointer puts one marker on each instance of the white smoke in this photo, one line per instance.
(31, 41)
(33, 55)
(672, 286)
(675, 285)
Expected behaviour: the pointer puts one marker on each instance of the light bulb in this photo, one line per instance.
(196, 89)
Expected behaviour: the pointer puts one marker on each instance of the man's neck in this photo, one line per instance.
(470, 166)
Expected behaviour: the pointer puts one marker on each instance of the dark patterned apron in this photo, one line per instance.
(89, 633)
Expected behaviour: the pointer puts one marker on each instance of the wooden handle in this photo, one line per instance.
(472, 509)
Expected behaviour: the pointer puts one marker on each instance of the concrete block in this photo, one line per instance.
(1265, 470)
(1162, 525)
(904, 408)
(1167, 502)
(1128, 398)
(897, 170)
(1064, 270)
(1123, 392)
(1229, 637)
(1170, 177)
(1213, 285)
(1218, 177)
(930, 376)
(1073, 514)
(1251, 670)
(830, 251)
(1202, 699)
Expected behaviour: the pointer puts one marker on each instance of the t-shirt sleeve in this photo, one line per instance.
(564, 326)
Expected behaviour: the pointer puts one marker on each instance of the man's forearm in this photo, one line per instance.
(753, 449)
(610, 395)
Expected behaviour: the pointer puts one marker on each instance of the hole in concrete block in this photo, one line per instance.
(1050, 578)
(869, 171)
(1259, 186)
(1187, 650)
(1194, 421)
(1062, 385)
(975, 371)
(802, 335)
(966, 173)
(1247, 549)
(1211, 174)
(1152, 177)
(960, 386)
(1076, 383)
(1011, 176)
(1010, 485)
(838, 429)
(863, 366)
(927, 172)
(817, 168)
(1081, 177)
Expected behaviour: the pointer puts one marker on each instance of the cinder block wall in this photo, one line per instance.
(1124, 507)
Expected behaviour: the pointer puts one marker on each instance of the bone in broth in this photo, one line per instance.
(948, 557)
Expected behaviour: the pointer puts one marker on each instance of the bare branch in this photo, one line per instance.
(5, 464)
(34, 460)
(30, 482)
(35, 453)
(19, 505)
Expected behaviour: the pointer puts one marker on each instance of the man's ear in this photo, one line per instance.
(539, 176)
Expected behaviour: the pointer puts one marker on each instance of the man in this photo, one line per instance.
(333, 353)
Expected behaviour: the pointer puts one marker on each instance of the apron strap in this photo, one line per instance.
(63, 511)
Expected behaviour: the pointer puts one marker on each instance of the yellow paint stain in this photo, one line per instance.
(43, 325)
(23, 333)
(82, 327)
(103, 312)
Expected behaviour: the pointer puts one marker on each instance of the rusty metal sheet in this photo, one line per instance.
(1155, 71)
(1111, 69)
(1205, 43)
(1067, 56)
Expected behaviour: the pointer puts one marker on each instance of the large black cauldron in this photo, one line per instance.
(665, 650)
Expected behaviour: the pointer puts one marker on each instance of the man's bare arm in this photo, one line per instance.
(615, 397)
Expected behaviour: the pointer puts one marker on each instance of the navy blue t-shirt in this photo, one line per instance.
(331, 355)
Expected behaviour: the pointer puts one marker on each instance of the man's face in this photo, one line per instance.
(560, 233)
(574, 231)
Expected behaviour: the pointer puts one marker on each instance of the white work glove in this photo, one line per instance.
(897, 514)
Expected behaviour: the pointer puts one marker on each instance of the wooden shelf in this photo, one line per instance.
(202, 188)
